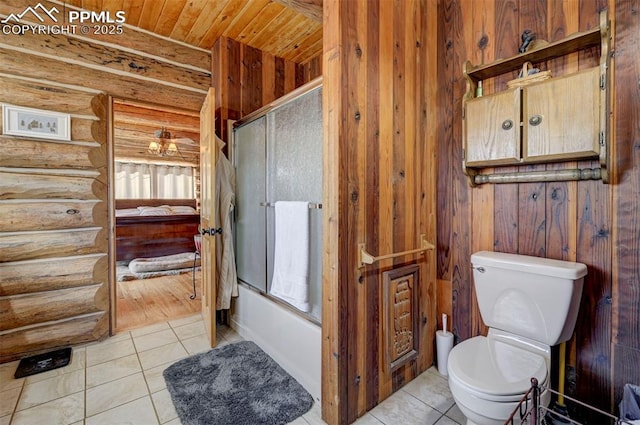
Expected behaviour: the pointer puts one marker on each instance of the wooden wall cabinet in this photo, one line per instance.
(563, 118)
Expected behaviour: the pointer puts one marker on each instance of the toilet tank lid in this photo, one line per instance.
(526, 263)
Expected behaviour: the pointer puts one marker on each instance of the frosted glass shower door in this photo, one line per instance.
(294, 173)
(250, 161)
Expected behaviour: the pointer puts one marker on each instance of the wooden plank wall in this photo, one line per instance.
(54, 285)
(626, 201)
(379, 102)
(587, 221)
(308, 71)
(247, 78)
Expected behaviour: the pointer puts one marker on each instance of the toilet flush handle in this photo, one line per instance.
(480, 269)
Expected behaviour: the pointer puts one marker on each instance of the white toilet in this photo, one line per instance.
(529, 305)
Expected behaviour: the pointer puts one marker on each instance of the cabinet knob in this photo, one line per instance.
(535, 120)
(507, 124)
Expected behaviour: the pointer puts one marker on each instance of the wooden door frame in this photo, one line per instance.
(111, 243)
(111, 212)
(208, 152)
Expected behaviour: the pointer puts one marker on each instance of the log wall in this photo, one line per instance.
(132, 65)
(134, 127)
(379, 103)
(54, 264)
(53, 227)
(588, 221)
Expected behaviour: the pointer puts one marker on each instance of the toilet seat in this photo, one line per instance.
(491, 369)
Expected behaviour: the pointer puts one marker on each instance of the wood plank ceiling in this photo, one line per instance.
(291, 29)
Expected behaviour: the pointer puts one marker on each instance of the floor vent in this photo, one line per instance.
(43, 362)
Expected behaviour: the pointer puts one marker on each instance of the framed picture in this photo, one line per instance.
(29, 122)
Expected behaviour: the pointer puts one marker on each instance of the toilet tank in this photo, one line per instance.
(534, 297)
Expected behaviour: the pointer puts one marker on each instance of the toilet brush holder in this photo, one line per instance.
(444, 344)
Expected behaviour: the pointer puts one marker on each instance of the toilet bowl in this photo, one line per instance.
(529, 304)
(488, 376)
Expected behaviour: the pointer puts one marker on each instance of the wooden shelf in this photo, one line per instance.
(571, 44)
(510, 137)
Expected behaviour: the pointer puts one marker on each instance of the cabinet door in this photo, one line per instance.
(561, 118)
(493, 129)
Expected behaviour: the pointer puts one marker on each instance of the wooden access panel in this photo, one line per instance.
(400, 315)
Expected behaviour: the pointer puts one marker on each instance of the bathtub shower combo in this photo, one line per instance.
(277, 152)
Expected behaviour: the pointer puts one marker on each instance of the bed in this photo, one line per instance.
(155, 227)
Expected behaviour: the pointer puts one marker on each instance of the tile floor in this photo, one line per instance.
(119, 381)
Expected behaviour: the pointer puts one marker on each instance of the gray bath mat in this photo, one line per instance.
(236, 384)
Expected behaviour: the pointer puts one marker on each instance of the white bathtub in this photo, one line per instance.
(291, 340)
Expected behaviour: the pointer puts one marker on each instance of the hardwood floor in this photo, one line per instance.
(147, 301)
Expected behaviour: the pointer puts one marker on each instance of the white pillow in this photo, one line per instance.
(183, 210)
(161, 210)
(127, 212)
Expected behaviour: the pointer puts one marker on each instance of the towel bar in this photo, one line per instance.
(272, 205)
(365, 258)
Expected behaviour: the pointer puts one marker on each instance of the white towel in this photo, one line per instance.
(291, 257)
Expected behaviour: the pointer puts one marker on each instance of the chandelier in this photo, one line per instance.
(163, 145)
